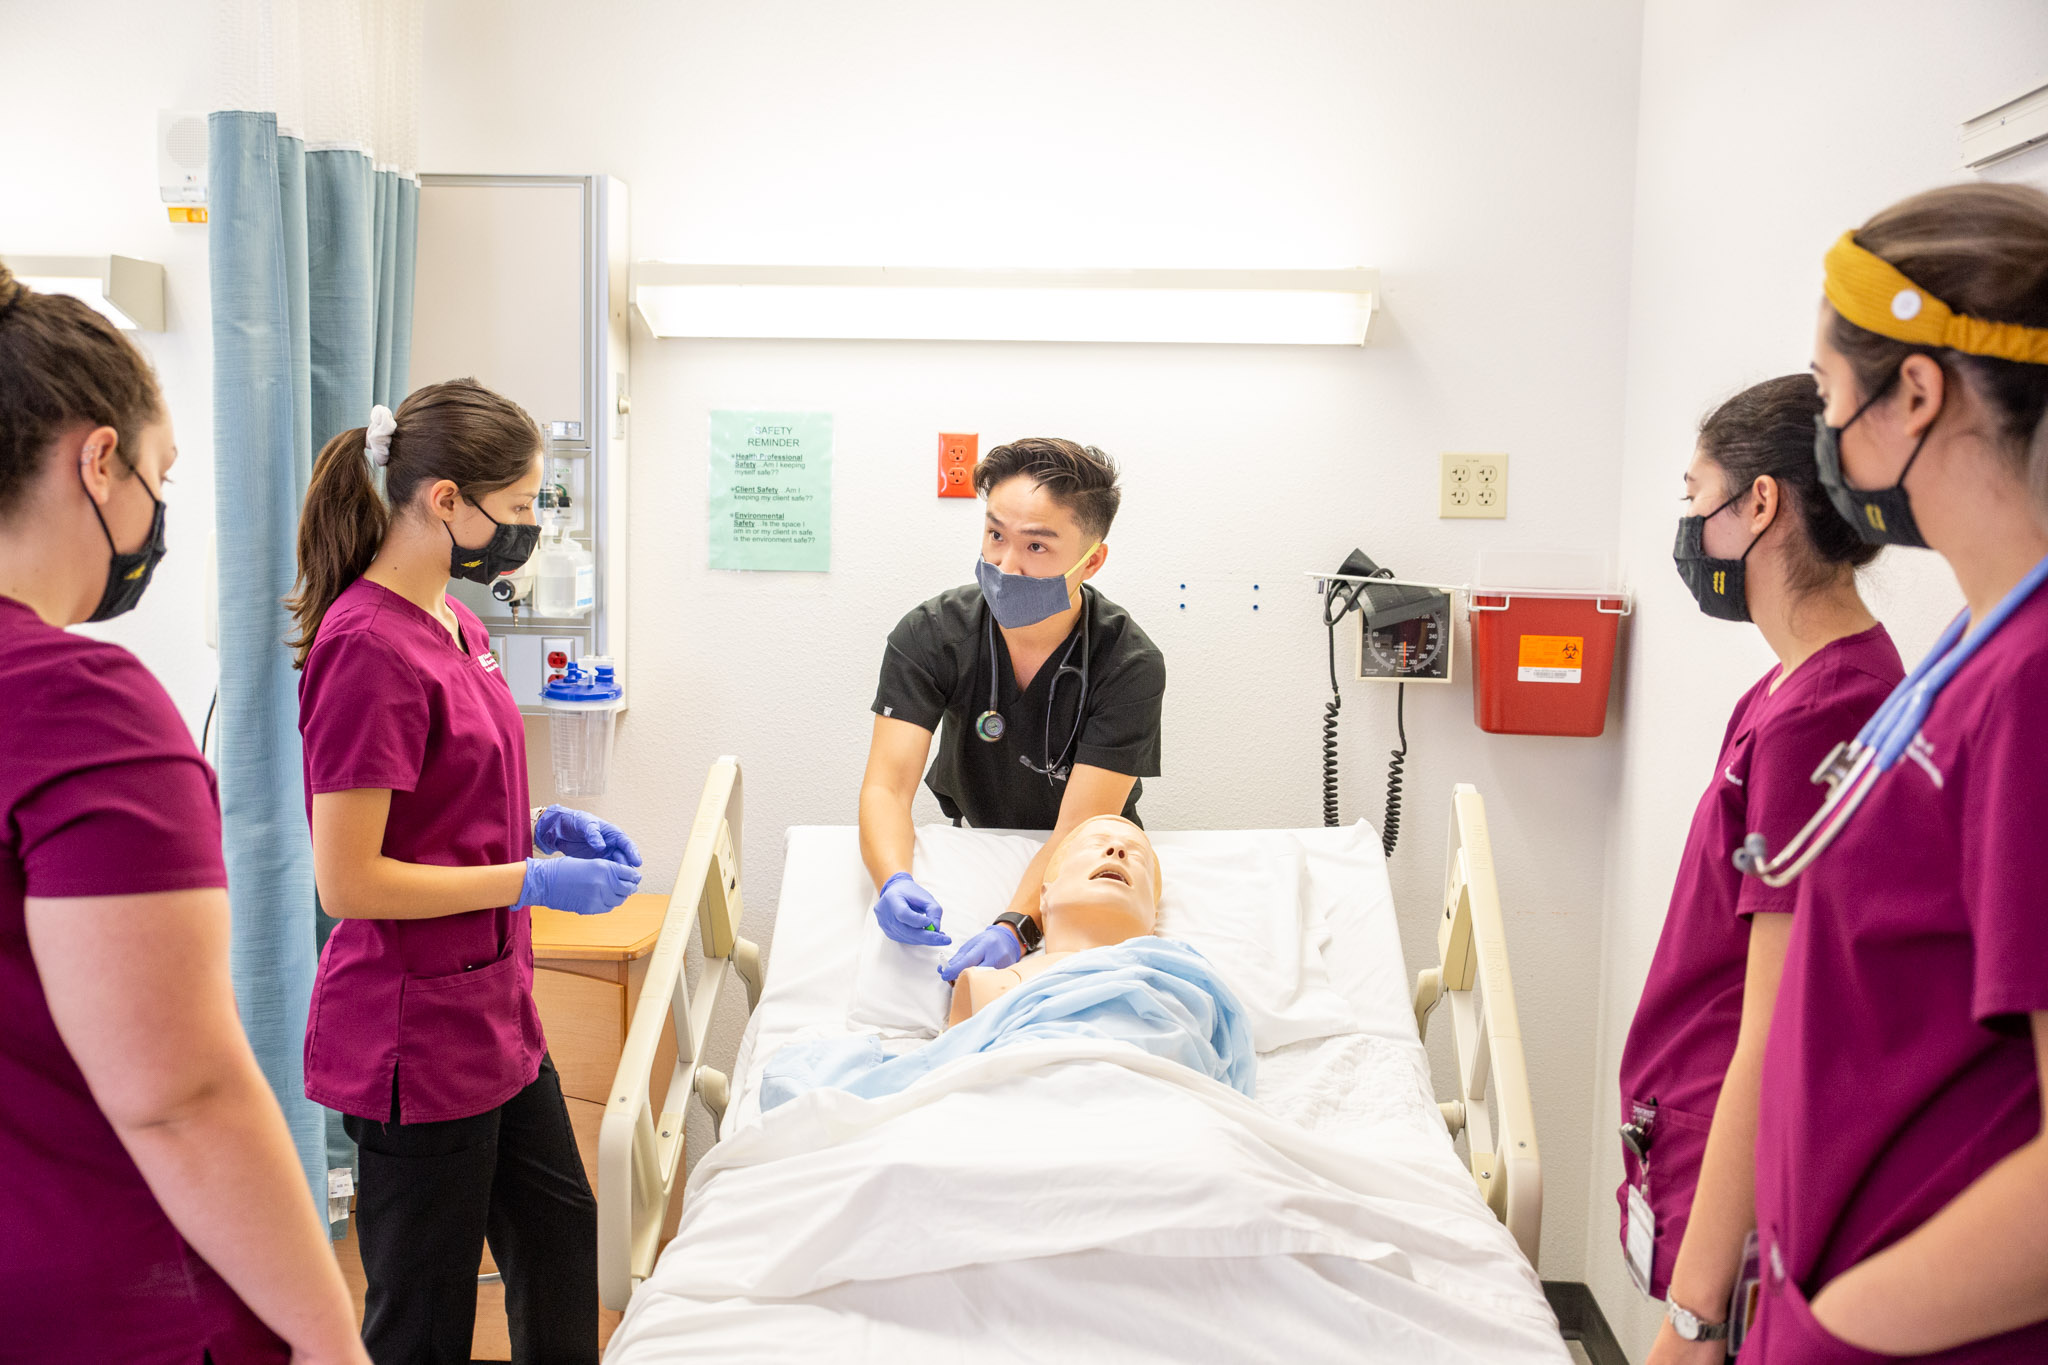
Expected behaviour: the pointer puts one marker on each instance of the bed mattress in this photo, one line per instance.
(1068, 1202)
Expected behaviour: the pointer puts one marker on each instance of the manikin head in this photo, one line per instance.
(1102, 886)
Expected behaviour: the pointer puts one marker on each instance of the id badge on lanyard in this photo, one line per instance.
(1749, 1284)
(1640, 1244)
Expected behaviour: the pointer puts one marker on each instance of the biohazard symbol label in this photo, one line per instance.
(1550, 658)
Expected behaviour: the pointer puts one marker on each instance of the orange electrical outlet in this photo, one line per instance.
(956, 463)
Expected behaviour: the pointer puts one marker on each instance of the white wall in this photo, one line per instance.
(1478, 154)
(1767, 130)
(78, 178)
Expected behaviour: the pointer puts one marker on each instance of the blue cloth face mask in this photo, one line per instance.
(1018, 600)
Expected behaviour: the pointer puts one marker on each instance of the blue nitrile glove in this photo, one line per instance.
(579, 834)
(995, 946)
(580, 886)
(908, 914)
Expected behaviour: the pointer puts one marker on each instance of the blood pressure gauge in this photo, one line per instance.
(1410, 640)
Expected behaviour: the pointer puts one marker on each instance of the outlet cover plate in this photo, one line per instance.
(957, 454)
(1473, 485)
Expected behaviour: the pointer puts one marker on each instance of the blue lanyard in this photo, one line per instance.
(1899, 719)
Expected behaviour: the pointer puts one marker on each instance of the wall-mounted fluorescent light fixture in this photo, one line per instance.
(128, 291)
(2006, 131)
(1284, 307)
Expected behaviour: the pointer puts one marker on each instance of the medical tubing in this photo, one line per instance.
(1390, 824)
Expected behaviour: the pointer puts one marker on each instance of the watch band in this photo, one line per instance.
(1687, 1324)
(1026, 928)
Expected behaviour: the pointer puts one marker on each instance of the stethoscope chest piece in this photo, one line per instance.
(989, 725)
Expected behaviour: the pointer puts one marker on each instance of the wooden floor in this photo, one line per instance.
(491, 1342)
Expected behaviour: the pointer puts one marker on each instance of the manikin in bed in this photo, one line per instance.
(1103, 974)
(1101, 888)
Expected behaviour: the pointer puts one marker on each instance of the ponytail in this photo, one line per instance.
(457, 430)
(339, 531)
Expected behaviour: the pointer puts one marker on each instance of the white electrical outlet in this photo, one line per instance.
(1474, 486)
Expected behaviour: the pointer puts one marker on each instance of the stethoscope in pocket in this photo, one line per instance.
(991, 726)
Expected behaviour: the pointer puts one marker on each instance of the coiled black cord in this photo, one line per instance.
(1330, 710)
(1390, 826)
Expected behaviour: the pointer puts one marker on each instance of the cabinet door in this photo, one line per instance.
(585, 1021)
(498, 291)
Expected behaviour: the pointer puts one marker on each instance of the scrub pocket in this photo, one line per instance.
(1787, 1331)
(1668, 1176)
(461, 1041)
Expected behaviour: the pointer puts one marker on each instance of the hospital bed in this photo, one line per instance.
(1077, 1200)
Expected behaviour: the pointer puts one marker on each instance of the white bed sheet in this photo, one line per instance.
(1366, 1090)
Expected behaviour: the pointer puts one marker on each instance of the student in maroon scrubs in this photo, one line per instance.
(423, 1031)
(1759, 542)
(152, 1208)
(1902, 1166)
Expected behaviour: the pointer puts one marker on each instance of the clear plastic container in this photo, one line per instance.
(583, 710)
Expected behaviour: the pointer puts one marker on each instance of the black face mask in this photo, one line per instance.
(510, 546)
(1716, 584)
(1881, 516)
(128, 575)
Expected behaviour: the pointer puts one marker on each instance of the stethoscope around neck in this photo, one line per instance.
(991, 726)
(1854, 766)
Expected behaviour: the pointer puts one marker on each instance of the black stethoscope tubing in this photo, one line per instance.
(1054, 770)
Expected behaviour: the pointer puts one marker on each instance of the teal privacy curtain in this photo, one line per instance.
(312, 247)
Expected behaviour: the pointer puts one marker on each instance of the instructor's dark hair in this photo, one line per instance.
(62, 363)
(1768, 429)
(456, 430)
(1081, 479)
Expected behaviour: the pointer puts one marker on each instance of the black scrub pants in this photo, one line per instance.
(429, 1196)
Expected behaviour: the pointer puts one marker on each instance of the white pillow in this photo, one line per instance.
(1240, 897)
(897, 990)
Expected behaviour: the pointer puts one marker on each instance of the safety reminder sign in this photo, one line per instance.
(771, 490)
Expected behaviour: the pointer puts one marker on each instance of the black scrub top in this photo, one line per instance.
(936, 667)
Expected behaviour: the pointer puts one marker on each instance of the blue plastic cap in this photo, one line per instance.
(577, 685)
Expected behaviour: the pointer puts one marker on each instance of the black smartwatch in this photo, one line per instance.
(1026, 928)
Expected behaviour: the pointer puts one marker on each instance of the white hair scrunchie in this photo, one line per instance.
(377, 439)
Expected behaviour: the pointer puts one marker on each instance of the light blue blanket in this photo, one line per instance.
(1156, 994)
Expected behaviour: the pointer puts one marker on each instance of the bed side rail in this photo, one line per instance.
(1492, 1107)
(639, 1152)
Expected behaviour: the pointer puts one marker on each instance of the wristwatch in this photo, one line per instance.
(1687, 1324)
(1026, 928)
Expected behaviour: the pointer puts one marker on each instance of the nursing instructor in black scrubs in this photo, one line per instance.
(1049, 694)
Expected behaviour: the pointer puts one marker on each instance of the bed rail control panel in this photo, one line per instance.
(1492, 1108)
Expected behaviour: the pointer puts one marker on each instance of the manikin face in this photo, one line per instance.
(1103, 882)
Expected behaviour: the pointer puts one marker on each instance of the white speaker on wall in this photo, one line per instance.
(181, 156)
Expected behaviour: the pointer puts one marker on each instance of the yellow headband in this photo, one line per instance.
(1875, 295)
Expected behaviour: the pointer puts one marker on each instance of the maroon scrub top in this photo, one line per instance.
(1684, 1032)
(1900, 1065)
(101, 794)
(438, 1010)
